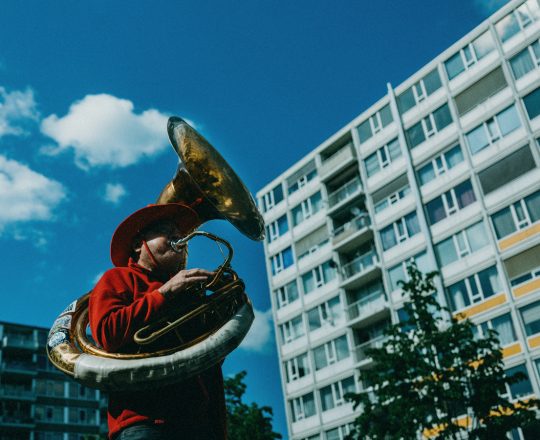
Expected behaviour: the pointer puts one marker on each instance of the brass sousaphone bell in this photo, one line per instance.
(205, 182)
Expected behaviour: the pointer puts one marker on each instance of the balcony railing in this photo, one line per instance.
(17, 341)
(344, 192)
(367, 306)
(359, 222)
(339, 157)
(359, 264)
(360, 349)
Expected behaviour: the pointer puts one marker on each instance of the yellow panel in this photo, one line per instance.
(534, 341)
(482, 307)
(511, 350)
(519, 236)
(526, 288)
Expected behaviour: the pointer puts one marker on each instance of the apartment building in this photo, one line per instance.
(445, 170)
(37, 401)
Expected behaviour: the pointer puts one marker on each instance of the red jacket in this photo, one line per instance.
(123, 301)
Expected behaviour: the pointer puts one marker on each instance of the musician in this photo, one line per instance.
(148, 279)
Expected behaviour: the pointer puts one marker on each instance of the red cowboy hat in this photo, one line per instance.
(122, 239)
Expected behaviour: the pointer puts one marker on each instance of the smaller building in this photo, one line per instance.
(37, 401)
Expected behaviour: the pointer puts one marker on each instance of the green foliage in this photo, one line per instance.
(246, 422)
(431, 372)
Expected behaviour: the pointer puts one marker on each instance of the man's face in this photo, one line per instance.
(158, 237)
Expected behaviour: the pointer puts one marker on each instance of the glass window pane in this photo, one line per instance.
(432, 81)
(292, 291)
(278, 194)
(435, 210)
(533, 206)
(342, 348)
(477, 139)
(388, 237)
(454, 156)
(287, 257)
(523, 387)
(459, 298)
(364, 131)
(505, 328)
(283, 225)
(483, 45)
(522, 63)
(454, 66)
(396, 273)
(415, 135)
(489, 281)
(442, 117)
(372, 164)
(464, 194)
(309, 405)
(532, 103)
(531, 318)
(320, 357)
(509, 120)
(477, 236)
(503, 223)
(507, 27)
(426, 173)
(413, 227)
(386, 115)
(308, 282)
(327, 399)
(406, 100)
(394, 149)
(446, 252)
(314, 319)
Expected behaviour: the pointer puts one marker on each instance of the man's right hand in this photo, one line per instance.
(183, 281)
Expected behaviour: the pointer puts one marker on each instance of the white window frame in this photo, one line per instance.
(450, 204)
(289, 333)
(269, 202)
(282, 296)
(466, 249)
(273, 231)
(419, 91)
(277, 263)
(526, 221)
(298, 408)
(375, 123)
(293, 370)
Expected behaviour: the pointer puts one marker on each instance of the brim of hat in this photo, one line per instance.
(122, 240)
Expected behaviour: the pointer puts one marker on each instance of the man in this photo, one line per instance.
(148, 279)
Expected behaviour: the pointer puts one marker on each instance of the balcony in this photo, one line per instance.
(345, 192)
(360, 350)
(353, 272)
(339, 160)
(16, 393)
(345, 237)
(18, 367)
(368, 307)
(18, 342)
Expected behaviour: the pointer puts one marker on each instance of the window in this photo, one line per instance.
(292, 329)
(460, 245)
(399, 271)
(300, 178)
(84, 416)
(419, 91)
(526, 60)
(493, 129)
(400, 231)
(297, 367)
(312, 242)
(282, 260)
(517, 20)
(532, 103)
(375, 123)
(518, 215)
(286, 294)
(503, 325)
(51, 414)
(474, 289)
(504, 171)
(521, 388)
(526, 277)
(440, 164)
(307, 208)
(383, 157)
(303, 407)
(333, 394)
(469, 55)
(318, 276)
(428, 126)
(480, 91)
(450, 202)
(339, 433)
(277, 228)
(531, 318)
(392, 198)
(331, 352)
(327, 313)
(272, 198)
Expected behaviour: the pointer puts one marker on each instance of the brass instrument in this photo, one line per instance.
(204, 181)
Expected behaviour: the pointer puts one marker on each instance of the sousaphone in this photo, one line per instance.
(206, 182)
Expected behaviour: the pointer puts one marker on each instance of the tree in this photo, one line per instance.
(246, 422)
(433, 377)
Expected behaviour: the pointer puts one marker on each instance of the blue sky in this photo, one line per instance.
(86, 88)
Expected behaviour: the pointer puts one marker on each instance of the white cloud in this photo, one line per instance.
(114, 192)
(26, 195)
(260, 333)
(16, 108)
(103, 130)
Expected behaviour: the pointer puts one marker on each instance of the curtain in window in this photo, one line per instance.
(388, 237)
(372, 164)
(454, 156)
(464, 194)
(477, 236)
(504, 223)
(521, 63)
(446, 252)
(459, 298)
(411, 221)
(327, 399)
(394, 149)
(503, 325)
(342, 348)
(489, 281)
(435, 210)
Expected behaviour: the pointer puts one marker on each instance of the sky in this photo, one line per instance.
(85, 92)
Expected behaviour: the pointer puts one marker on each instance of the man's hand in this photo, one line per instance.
(183, 281)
